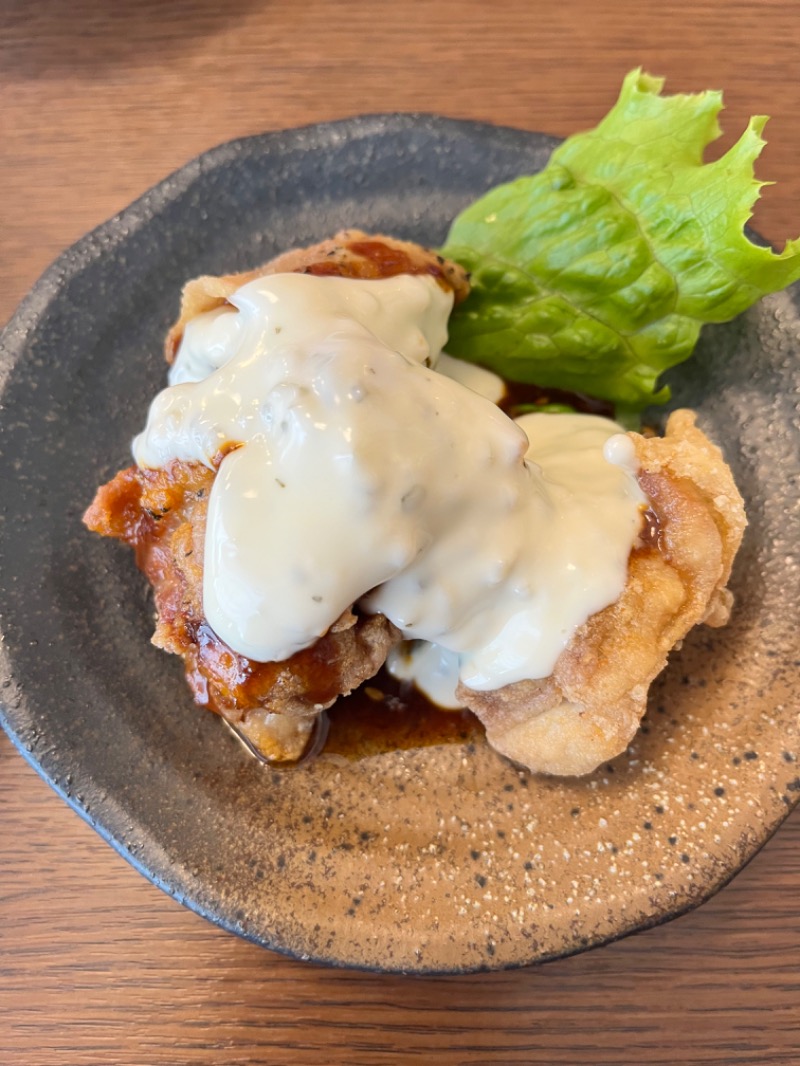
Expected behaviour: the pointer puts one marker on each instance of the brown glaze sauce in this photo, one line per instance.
(385, 261)
(246, 680)
(386, 715)
(519, 398)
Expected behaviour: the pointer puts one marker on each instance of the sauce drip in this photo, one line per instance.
(521, 398)
(651, 533)
(385, 715)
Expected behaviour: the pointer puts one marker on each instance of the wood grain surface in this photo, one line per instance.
(98, 102)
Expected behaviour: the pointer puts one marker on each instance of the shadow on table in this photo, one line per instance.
(50, 37)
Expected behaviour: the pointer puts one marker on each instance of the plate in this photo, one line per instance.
(438, 858)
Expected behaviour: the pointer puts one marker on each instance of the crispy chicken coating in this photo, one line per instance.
(589, 708)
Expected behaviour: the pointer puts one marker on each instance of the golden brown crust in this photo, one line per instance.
(589, 708)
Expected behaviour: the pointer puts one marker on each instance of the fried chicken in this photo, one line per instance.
(162, 515)
(589, 708)
(583, 714)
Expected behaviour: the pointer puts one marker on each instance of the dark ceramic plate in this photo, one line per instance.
(437, 858)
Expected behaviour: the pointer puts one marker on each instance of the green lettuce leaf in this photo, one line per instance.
(597, 274)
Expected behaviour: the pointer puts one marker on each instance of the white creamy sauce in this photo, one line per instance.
(432, 668)
(484, 382)
(360, 474)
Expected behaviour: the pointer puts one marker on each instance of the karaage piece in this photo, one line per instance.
(349, 254)
(161, 513)
(589, 708)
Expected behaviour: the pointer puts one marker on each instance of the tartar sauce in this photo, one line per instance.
(356, 472)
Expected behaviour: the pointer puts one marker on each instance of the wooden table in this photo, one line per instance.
(99, 101)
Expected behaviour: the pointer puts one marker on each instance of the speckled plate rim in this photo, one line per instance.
(103, 813)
